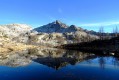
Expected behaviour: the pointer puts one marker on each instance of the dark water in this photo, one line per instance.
(58, 65)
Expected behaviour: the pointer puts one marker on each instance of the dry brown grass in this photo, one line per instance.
(6, 46)
(4, 50)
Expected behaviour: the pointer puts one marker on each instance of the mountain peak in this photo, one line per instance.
(73, 26)
(58, 22)
(57, 26)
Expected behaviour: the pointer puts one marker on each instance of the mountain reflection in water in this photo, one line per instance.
(55, 64)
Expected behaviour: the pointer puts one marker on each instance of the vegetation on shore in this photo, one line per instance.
(7, 45)
(108, 45)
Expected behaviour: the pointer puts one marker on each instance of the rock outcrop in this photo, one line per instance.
(15, 32)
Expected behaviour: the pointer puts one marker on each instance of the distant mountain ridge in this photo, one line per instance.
(58, 27)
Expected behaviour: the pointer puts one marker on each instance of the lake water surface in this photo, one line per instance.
(52, 64)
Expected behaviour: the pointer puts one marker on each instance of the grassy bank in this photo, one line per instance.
(7, 45)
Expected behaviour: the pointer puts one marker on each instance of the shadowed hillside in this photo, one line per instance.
(109, 45)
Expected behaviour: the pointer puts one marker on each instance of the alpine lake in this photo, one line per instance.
(57, 64)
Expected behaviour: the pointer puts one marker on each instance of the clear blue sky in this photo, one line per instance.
(90, 14)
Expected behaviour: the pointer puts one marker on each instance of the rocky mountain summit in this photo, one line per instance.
(57, 27)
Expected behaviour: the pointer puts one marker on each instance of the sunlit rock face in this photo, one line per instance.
(16, 32)
(50, 57)
(11, 30)
(48, 39)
